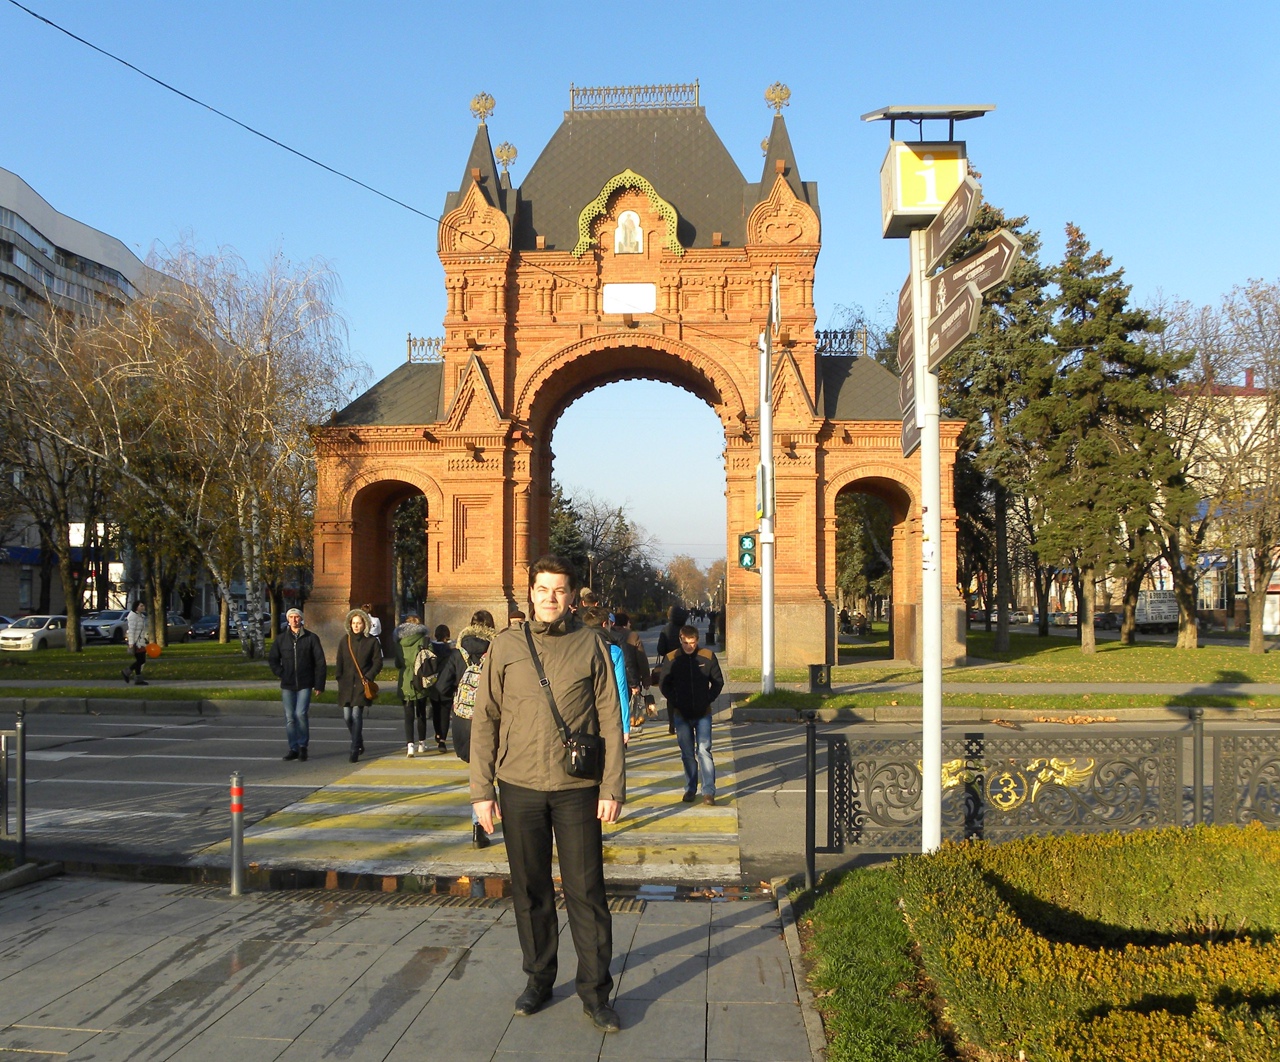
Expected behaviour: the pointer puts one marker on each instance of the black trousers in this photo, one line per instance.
(415, 710)
(530, 818)
(440, 713)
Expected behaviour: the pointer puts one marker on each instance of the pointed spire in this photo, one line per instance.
(777, 149)
(481, 166)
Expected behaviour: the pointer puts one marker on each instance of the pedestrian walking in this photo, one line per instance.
(136, 638)
(441, 700)
(375, 624)
(669, 639)
(597, 618)
(461, 676)
(547, 699)
(411, 638)
(691, 681)
(358, 664)
(296, 658)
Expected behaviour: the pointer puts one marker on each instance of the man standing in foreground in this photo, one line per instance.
(514, 724)
(297, 660)
(691, 681)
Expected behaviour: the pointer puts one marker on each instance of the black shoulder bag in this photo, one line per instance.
(584, 753)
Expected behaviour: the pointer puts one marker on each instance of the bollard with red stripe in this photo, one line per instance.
(237, 834)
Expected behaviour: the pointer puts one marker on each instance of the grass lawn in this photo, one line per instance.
(1152, 945)
(95, 672)
(1053, 659)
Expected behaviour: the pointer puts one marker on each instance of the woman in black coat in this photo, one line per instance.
(359, 657)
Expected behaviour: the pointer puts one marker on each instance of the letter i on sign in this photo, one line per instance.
(930, 177)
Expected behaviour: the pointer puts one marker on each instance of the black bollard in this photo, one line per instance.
(810, 797)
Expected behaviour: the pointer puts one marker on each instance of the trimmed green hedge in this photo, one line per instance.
(1159, 945)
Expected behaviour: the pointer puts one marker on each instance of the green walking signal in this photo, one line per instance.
(747, 552)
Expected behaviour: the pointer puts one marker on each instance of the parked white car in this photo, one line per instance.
(35, 632)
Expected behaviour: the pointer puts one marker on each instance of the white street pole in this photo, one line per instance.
(931, 557)
(766, 505)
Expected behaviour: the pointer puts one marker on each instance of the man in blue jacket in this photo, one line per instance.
(297, 660)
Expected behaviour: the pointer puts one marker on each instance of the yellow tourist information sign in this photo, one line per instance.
(916, 181)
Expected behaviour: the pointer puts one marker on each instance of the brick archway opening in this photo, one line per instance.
(373, 568)
(617, 361)
(884, 549)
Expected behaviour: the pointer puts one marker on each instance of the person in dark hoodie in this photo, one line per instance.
(460, 675)
(359, 659)
(411, 636)
(441, 699)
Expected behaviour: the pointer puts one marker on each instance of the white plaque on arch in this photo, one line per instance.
(630, 298)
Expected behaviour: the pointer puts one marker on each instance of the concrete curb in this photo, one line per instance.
(135, 706)
(27, 873)
(813, 1026)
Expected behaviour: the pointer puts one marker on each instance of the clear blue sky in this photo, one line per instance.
(1149, 125)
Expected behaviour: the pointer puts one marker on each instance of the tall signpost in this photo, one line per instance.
(928, 196)
(764, 491)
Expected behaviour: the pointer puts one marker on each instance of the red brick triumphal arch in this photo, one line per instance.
(634, 249)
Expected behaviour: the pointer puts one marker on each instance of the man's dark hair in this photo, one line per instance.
(553, 565)
(482, 617)
(689, 632)
(593, 617)
(442, 633)
(621, 619)
(677, 615)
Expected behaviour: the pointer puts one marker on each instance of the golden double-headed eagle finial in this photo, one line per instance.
(482, 105)
(777, 96)
(506, 154)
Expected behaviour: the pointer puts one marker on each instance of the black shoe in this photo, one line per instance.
(603, 1017)
(302, 754)
(441, 745)
(479, 839)
(690, 795)
(292, 754)
(355, 757)
(532, 1000)
(361, 748)
(127, 674)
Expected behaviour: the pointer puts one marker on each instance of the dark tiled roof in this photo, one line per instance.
(852, 388)
(409, 395)
(497, 190)
(675, 150)
(780, 148)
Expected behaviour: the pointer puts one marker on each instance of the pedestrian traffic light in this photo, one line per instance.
(747, 551)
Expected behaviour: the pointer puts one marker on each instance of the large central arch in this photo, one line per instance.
(634, 249)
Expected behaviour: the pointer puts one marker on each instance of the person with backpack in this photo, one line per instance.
(441, 699)
(461, 673)
(359, 661)
(417, 667)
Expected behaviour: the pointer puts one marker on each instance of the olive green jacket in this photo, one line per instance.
(514, 736)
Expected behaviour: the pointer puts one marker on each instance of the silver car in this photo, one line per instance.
(34, 633)
(108, 626)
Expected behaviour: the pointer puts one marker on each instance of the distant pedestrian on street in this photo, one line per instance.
(375, 624)
(441, 700)
(691, 681)
(136, 637)
(359, 661)
(411, 637)
(461, 675)
(669, 639)
(296, 658)
(598, 619)
(519, 756)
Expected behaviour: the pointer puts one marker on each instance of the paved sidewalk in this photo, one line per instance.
(94, 971)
